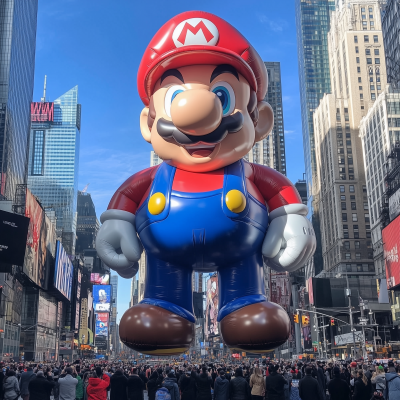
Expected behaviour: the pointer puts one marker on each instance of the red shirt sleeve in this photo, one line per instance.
(276, 189)
(131, 192)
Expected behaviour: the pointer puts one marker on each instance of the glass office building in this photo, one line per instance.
(54, 162)
(18, 20)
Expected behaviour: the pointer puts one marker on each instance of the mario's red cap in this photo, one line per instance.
(198, 37)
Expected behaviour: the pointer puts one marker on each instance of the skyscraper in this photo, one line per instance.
(54, 160)
(312, 24)
(114, 337)
(87, 223)
(154, 159)
(271, 151)
(391, 37)
(357, 65)
(18, 20)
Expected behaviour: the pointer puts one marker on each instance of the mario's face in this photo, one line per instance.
(204, 117)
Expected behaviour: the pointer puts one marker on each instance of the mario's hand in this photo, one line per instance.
(290, 240)
(117, 242)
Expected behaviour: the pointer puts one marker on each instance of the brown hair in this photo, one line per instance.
(363, 377)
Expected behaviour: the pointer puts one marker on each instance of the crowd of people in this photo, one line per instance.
(122, 380)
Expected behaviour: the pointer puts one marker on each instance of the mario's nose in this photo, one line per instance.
(196, 112)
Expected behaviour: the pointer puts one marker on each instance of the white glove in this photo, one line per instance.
(290, 240)
(117, 243)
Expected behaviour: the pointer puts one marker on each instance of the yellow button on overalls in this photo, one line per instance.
(156, 203)
(235, 201)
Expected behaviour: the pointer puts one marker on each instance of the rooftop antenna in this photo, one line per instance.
(85, 188)
(43, 99)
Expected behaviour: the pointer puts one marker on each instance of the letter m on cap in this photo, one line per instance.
(195, 29)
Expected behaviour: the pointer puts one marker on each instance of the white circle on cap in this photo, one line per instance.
(195, 31)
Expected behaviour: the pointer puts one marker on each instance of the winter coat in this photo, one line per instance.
(188, 387)
(221, 388)
(239, 389)
(26, 377)
(40, 388)
(97, 388)
(67, 387)
(257, 385)
(338, 389)
(79, 388)
(309, 389)
(392, 391)
(10, 388)
(361, 391)
(379, 380)
(135, 388)
(118, 385)
(274, 386)
(321, 378)
(203, 383)
(153, 386)
(172, 386)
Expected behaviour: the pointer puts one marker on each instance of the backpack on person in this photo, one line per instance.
(163, 394)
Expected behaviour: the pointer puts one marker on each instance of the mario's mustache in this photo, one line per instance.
(230, 124)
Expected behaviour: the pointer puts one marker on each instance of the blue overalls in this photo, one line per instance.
(197, 231)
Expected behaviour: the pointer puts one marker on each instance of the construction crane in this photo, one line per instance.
(85, 188)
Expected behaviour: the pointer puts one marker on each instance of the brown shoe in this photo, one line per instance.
(153, 330)
(257, 328)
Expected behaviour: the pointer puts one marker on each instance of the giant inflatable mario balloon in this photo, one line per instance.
(204, 208)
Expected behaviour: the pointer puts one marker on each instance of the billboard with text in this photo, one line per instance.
(101, 298)
(391, 239)
(63, 272)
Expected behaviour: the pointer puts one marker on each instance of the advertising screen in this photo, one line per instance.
(212, 307)
(99, 279)
(42, 112)
(394, 205)
(390, 238)
(40, 244)
(101, 342)
(13, 235)
(63, 272)
(101, 297)
(101, 324)
(280, 289)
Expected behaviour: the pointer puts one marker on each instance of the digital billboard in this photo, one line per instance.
(101, 324)
(42, 112)
(40, 244)
(394, 205)
(101, 297)
(101, 342)
(212, 307)
(13, 236)
(390, 238)
(63, 272)
(100, 279)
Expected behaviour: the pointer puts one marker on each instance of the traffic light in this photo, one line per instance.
(332, 322)
(305, 320)
(296, 318)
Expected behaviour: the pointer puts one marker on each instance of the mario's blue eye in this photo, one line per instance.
(172, 92)
(226, 95)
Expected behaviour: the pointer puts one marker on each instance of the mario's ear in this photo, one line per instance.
(144, 127)
(265, 121)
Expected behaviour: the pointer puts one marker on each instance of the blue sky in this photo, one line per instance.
(98, 46)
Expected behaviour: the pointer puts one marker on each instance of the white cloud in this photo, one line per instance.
(277, 25)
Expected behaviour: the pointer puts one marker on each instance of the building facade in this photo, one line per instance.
(357, 65)
(114, 335)
(271, 150)
(391, 36)
(87, 223)
(380, 133)
(54, 162)
(154, 159)
(18, 21)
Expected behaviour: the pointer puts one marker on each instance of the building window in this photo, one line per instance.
(364, 17)
(360, 88)
(357, 244)
(354, 217)
(343, 197)
(368, 235)
(353, 205)
(366, 39)
(375, 38)
(367, 52)
(363, 9)
(351, 188)
(372, 87)
(355, 39)
(365, 206)
(357, 50)
(366, 216)
(373, 96)
(371, 23)
(361, 96)
(359, 79)
(348, 256)
(347, 245)
(377, 60)
(358, 60)
(378, 87)
(358, 256)
(369, 60)
(358, 69)
(343, 206)
(38, 152)
(344, 217)
(376, 52)
(341, 188)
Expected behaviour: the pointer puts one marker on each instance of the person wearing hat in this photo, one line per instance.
(204, 208)
(378, 379)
